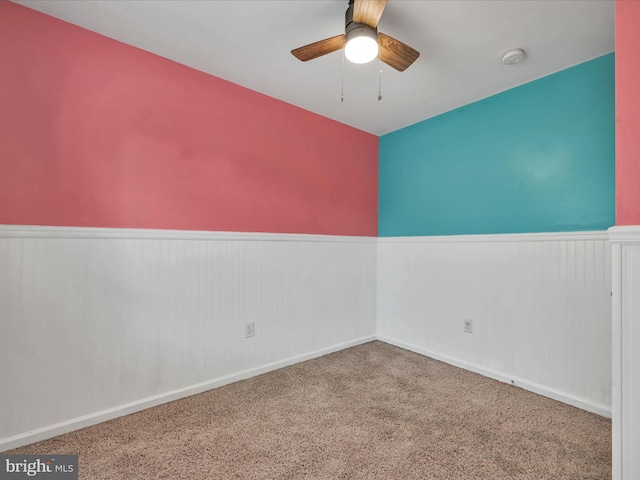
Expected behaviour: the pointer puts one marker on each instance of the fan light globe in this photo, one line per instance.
(361, 49)
(362, 43)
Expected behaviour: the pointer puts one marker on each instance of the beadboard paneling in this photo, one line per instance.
(540, 305)
(625, 423)
(107, 320)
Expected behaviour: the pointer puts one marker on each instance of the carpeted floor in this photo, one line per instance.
(370, 412)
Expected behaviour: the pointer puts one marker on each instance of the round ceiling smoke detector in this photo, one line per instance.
(513, 56)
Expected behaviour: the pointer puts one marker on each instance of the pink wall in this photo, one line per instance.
(96, 133)
(627, 108)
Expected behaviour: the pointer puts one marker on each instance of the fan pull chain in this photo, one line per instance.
(379, 79)
(342, 85)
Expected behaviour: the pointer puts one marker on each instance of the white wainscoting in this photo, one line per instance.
(540, 305)
(625, 425)
(97, 323)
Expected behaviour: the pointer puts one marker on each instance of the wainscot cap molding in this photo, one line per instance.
(501, 237)
(624, 234)
(36, 231)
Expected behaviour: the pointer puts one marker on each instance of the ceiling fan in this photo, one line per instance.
(362, 41)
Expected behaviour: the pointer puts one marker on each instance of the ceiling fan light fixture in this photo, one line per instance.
(361, 40)
(362, 44)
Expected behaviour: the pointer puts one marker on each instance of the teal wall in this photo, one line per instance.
(537, 158)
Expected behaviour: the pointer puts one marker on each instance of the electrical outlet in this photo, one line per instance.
(468, 325)
(249, 330)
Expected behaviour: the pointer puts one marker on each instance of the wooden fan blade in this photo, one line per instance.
(318, 49)
(368, 11)
(395, 53)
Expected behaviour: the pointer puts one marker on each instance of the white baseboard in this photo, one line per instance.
(583, 404)
(149, 402)
(139, 405)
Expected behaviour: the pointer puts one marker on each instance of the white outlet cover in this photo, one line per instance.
(468, 325)
(249, 330)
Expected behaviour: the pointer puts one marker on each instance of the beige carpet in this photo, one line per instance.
(372, 412)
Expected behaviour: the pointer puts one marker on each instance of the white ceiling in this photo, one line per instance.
(248, 42)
